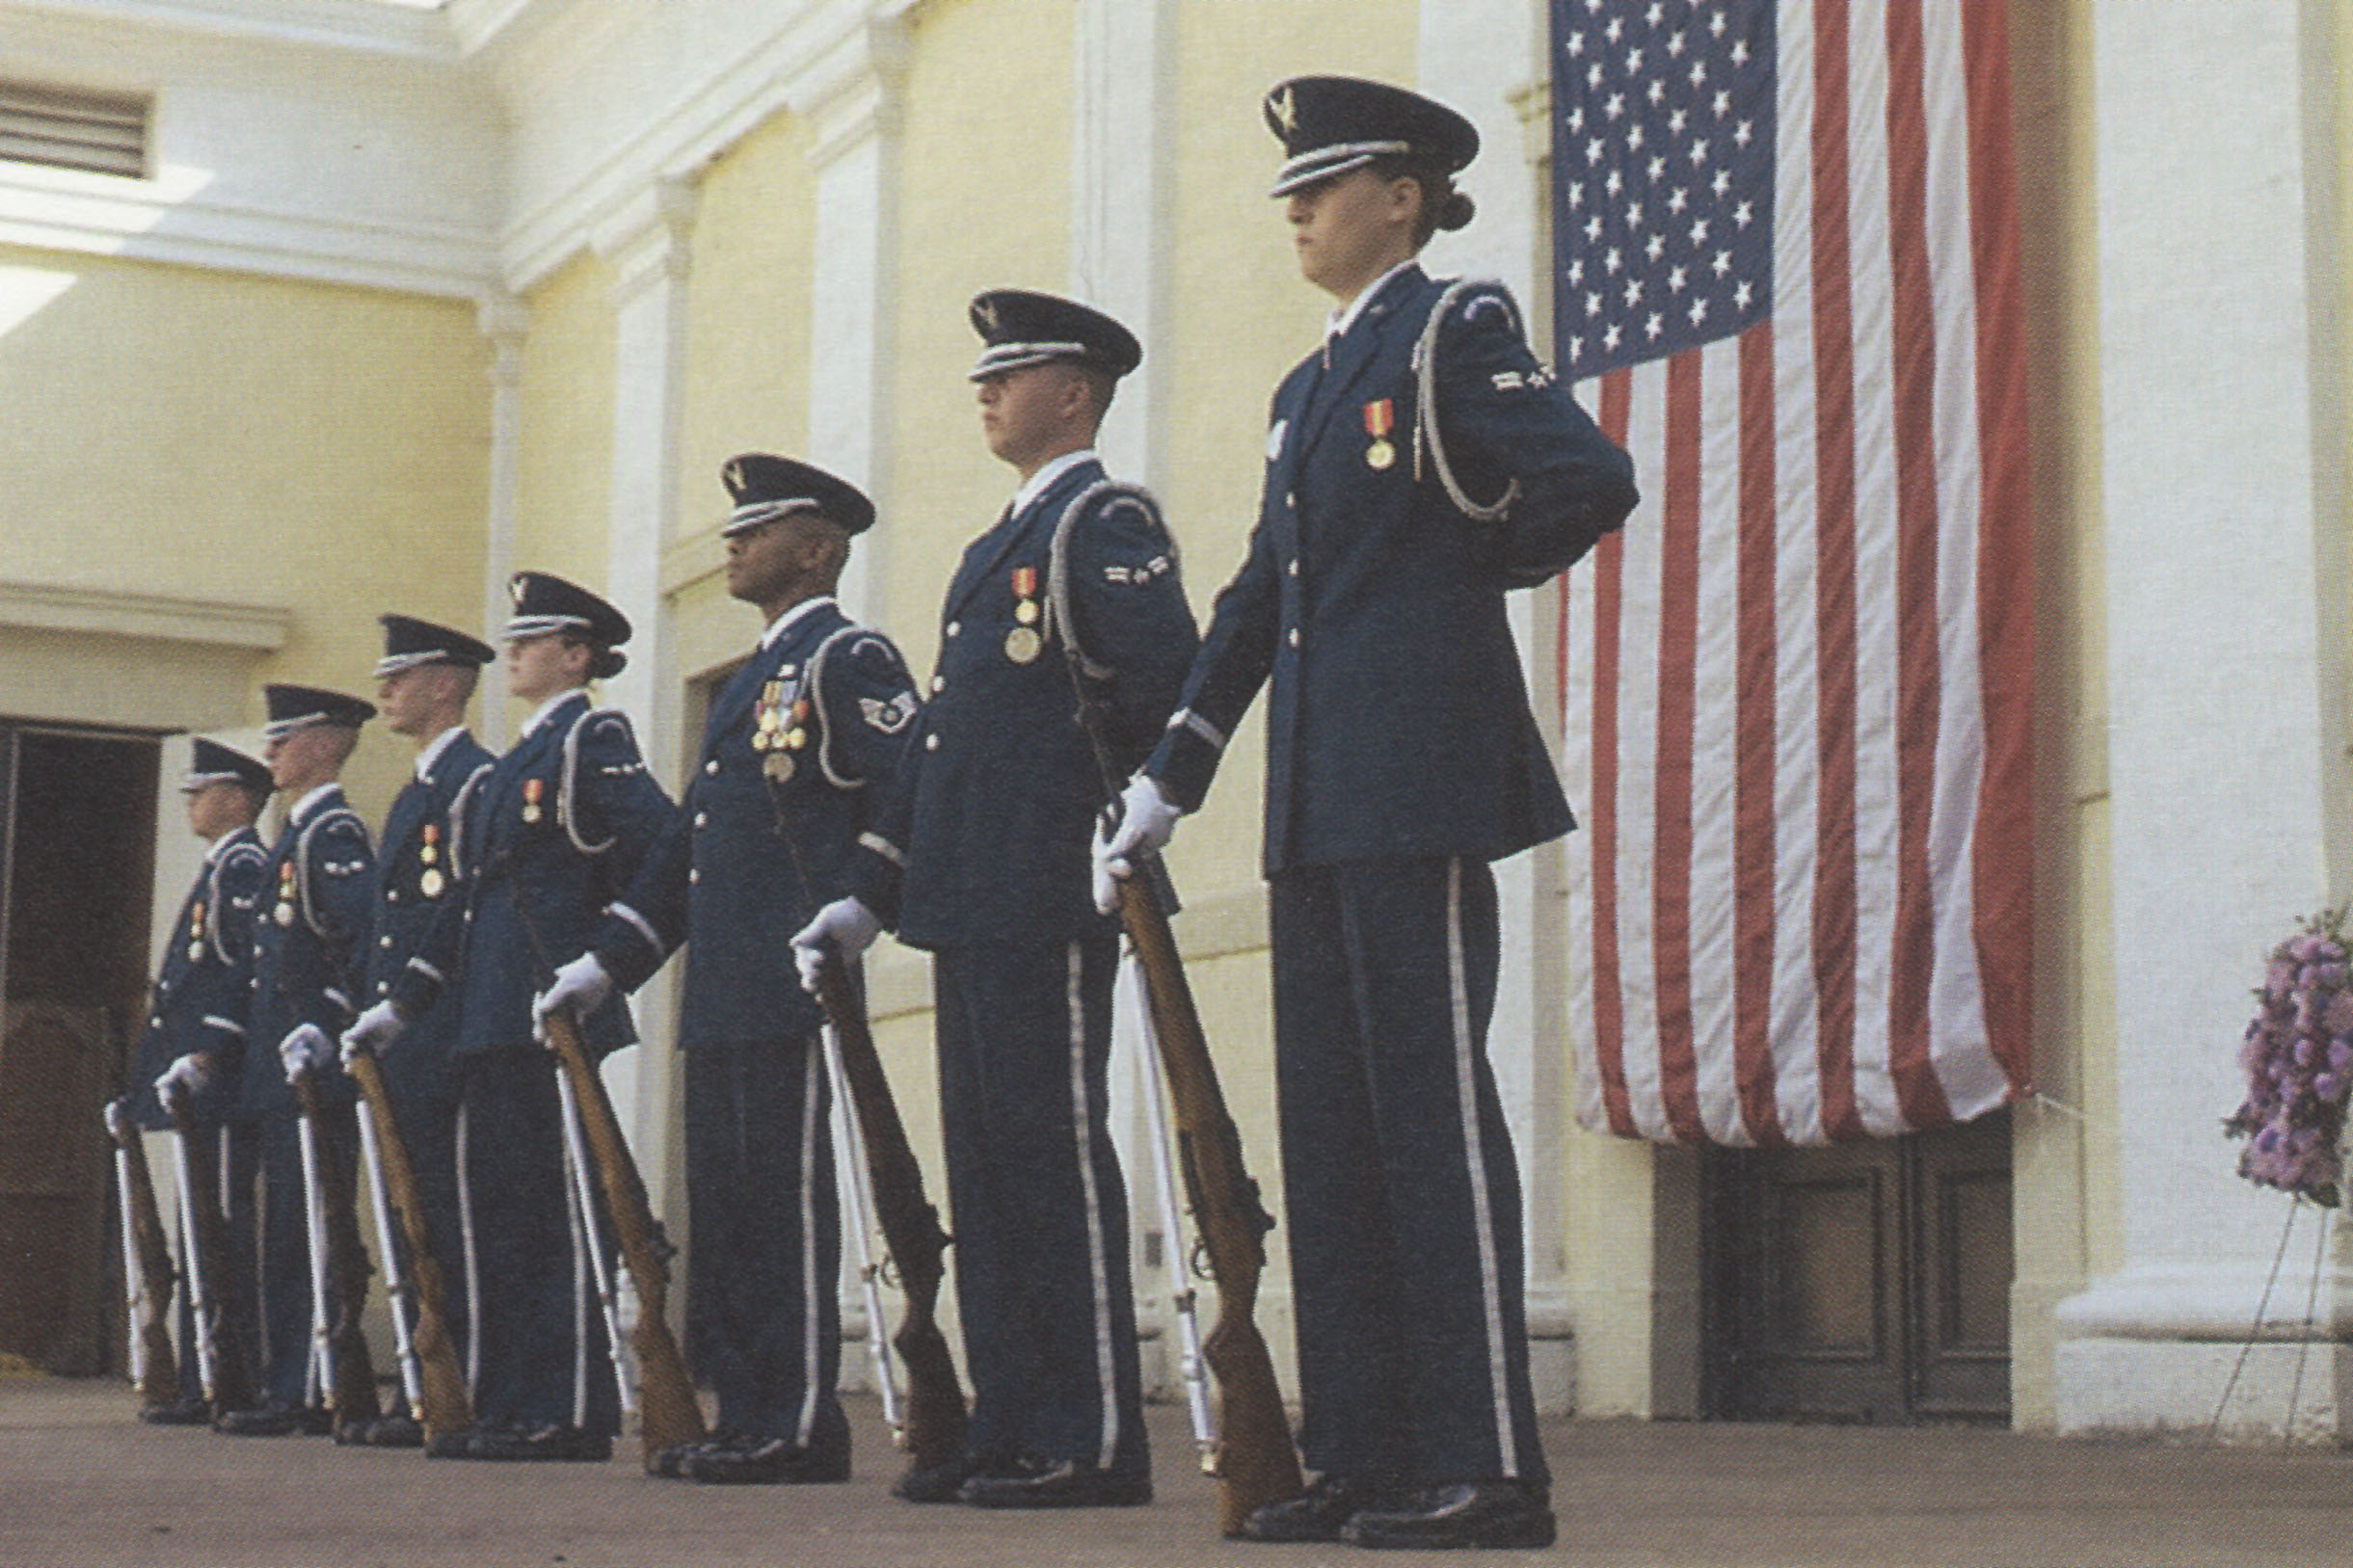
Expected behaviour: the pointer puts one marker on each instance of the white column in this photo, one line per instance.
(645, 245)
(503, 319)
(1119, 220)
(2223, 514)
(850, 96)
(1478, 57)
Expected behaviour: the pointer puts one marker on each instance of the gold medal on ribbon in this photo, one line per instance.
(196, 933)
(1025, 612)
(1021, 643)
(1380, 418)
(532, 789)
(284, 914)
(430, 882)
(428, 848)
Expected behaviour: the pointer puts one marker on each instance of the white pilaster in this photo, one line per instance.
(645, 245)
(1478, 57)
(850, 96)
(2221, 449)
(504, 320)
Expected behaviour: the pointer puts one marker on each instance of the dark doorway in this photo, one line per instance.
(1865, 1283)
(77, 857)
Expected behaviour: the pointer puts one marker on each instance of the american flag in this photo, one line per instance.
(1798, 686)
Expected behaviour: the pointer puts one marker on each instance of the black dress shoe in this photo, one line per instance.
(1465, 1514)
(274, 1420)
(670, 1462)
(1057, 1483)
(942, 1482)
(555, 1441)
(451, 1443)
(1318, 1513)
(178, 1413)
(397, 1430)
(770, 1462)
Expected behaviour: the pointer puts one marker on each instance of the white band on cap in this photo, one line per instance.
(756, 513)
(540, 625)
(1324, 163)
(1000, 358)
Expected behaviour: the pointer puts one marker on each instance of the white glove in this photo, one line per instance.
(305, 1049)
(118, 1120)
(1147, 821)
(579, 985)
(188, 1075)
(372, 1032)
(846, 927)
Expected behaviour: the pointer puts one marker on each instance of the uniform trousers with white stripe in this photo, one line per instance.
(283, 1247)
(537, 1355)
(1402, 1195)
(1038, 1209)
(763, 1317)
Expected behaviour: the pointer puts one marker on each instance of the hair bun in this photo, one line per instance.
(607, 663)
(1457, 211)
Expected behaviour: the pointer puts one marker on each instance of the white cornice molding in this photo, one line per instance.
(144, 220)
(644, 240)
(819, 57)
(351, 26)
(259, 629)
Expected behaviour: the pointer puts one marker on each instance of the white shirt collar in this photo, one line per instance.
(540, 714)
(1342, 318)
(432, 753)
(302, 807)
(1035, 485)
(776, 628)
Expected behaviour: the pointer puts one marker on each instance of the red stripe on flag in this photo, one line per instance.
(1755, 746)
(1919, 674)
(1834, 934)
(2002, 867)
(1609, 1007)
(1677, 703)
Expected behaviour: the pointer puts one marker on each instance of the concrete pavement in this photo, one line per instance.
(81, 1482)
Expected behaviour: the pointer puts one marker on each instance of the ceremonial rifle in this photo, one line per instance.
(147, 1266)
(227, 1377)
(667, 1412)
(442, 1402)
(935, 1417)
(1255, 1462)
(349, 1375)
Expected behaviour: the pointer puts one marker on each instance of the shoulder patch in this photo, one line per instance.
(889, 717)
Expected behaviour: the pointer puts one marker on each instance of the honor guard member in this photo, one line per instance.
(310, 930)
(196, 1019)
(557, 830)
(1419, 463)
(982, 859)
(423, 682)
(799, 743)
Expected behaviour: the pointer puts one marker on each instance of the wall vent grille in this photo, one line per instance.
(99, 133)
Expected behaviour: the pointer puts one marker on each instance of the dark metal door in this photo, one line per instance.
(77, 840)
(1865, 1283)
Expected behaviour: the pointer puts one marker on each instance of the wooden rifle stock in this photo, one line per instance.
(667, 1412)
(1256, 1463)
(353, 1398)
(231, 1387)
(158, 1372)
(910, 1224)
(442, 1385)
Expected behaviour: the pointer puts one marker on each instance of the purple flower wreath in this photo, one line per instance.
(2298, 1058)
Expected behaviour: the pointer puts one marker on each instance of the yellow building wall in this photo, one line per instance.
(564, 461)
(206, 436)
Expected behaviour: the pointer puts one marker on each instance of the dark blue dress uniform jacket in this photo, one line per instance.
(987, 835)
(408, 903)
(749, 860)
(1398, 724)
(204, 984)
(559, 829)
(309, 929)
